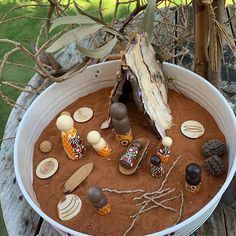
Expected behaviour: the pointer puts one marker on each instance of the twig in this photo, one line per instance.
(168, 173)
(10, 101)
(123, 191)
(181, 207)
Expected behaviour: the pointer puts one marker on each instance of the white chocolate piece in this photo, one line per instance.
(96, 140)
(45, 146)
(192, 129)
(69, 207)
(65, 113)
(47, 168)
(64, 123)
(83, 114)
(167, 141)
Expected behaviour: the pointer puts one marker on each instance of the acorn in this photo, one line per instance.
(215, 165)
(213, 147)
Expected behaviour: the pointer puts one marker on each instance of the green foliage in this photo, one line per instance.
(98, 52)
(148, 19)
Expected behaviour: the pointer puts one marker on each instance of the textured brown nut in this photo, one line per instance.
(215, 165)
(213, 147)
(45, 146)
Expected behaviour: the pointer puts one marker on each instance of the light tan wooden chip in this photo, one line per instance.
(78, 177)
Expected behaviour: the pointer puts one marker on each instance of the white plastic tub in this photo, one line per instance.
(58, 96)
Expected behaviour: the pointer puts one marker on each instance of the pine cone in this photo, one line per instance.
(214, 165)
(213, 147)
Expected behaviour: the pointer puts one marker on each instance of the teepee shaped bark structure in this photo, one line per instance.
(140, 68)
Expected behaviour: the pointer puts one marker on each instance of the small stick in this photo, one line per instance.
(150, 193)
(123, 191)
(155, 197)
(181, 207)
(168, 173)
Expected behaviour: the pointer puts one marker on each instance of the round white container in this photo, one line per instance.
(60, 95)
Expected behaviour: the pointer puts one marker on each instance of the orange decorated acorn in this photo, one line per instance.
(73, 144)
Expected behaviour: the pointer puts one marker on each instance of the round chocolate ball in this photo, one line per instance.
(155, 160)
(118, 110)
(95, 194)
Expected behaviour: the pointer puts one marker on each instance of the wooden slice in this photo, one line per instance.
(78, 177)
(45, 146)
(47, 168)
(192, 129)
(83, 114)
(69, 207)
(140, 158)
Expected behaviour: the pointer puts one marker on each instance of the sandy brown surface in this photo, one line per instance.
(106, 174)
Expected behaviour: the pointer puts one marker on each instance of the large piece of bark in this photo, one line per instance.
(140, 68)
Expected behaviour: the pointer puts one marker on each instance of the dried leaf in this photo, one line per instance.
(98, 52)
(80, 11)
(148, 19)
(74, 35)
(66, 20)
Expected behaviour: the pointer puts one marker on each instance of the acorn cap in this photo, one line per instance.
(93, 137)
(137, 144)
(64, 123)
(155, 160)
(118, 110)
(167, 141)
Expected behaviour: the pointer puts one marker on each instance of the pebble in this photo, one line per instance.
(192, 129)
(83, 114)
(69, 207)
(45, 146)
(47, 168)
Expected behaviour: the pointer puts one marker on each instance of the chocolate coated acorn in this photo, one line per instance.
(119, 118)
(96, 197)
(193, 174)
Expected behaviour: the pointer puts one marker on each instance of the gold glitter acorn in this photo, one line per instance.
(45, 146)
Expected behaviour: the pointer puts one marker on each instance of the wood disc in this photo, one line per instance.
(83, 114)
(47, 168)
(68, 207)
(45, 146)
(192, 129)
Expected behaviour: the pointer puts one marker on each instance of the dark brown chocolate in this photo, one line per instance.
(119, 118)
